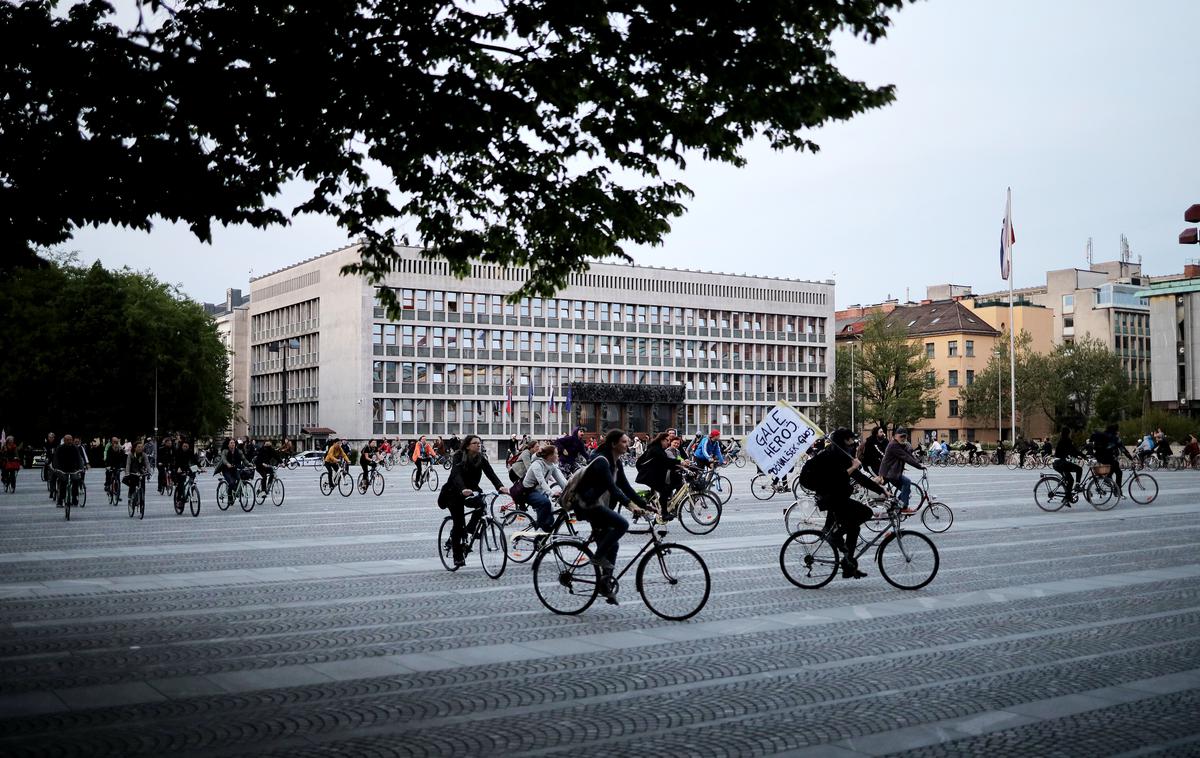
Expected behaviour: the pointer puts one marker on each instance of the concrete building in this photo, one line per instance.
(634, 347)
(233, 327)
(1175, 334)
(1101, 302)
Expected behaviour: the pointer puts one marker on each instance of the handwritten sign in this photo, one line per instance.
(780, 439)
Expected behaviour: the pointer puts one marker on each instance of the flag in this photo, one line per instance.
(553, 404)
(531, 391)
(508, 398)
(1008, 236)
(568, 398)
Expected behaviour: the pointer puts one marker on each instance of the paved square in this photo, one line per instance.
(327, 626)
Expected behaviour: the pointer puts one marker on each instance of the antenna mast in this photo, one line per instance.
(1126, 253)
(1089, 252)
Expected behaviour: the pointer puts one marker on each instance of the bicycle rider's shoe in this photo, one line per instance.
(850, 569)
(607, 589)
(605, 565)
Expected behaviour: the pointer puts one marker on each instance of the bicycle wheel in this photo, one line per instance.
(131, 503)
(1048, 493)
(700, 513)
(878, 521)
(67, 506)
(937, 517)
(387, 463)
(802, 514)
(446, 462)
(673, 581)
(808, 560)
(346, 484)
(277, 492)
(432, 480)
(493, 548)
(194, 500)
(722, 488)
(416, 481)
(517, 525)
(1142, 488)
(1101, 493)
(325, 483)
(740, 461)
(907, 560)
(445, 547)
(762, 487)
(377, 485)
(246, 499)
(223, 496)
(573, 528)
(258, 493)
(565, 578)
(82, 494)
(178, 503)
(362, 483)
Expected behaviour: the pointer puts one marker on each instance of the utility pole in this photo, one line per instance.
(852, 382)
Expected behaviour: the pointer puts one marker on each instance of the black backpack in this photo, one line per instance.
(812, 474)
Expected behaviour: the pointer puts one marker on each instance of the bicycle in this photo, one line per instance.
(702, 507)
(1096, 484)
(444, 461)
(567, 579)
(716, 484)
(1142, 488)
(191, 494)
(481, 529)
(372, 480)
(343, 482)
(518, 524)
(112, 485)
(242, 492)
(64, 496)
(803, 512)
(428, 477)
(274, 489)
(137, 496)
(907, 560)
(765, 487)
(936, 516)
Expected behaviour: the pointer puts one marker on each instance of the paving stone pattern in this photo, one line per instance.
(328, 627)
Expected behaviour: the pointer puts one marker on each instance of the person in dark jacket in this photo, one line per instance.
(891, 468)
(655, 469)
(265, 462)
(836, 471)
(51, 449)
(114, 464)
(461, 484)
(1064, 451)
(181, 468)
(165, 462)
(1106, 446)
(571, 449)
(603, 485)
(870, 450)
(68, 460)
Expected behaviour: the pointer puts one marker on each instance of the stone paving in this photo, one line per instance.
(327, 626)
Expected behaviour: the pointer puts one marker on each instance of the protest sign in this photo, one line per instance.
(780, 439)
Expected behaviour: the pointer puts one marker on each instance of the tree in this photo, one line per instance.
(835, 410)
(1074, 381)
(84, 345)
(992, 386)
(524, 133)
(893, 373)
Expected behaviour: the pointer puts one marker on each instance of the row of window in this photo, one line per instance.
(951, 349)
(280, 318)
(951, 378)
(438, 301)
(931, 408)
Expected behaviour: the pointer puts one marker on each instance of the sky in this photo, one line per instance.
(1089, 111)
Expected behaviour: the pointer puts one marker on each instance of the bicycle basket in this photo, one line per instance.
(246, 474)
(1102, 469)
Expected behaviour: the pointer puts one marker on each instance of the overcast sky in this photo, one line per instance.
(1089, 110)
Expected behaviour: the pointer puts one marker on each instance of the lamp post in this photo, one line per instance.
(999, 401)
(852, 398)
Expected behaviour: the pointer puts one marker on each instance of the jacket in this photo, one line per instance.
(870, 453)
(894, 458)
(543, 476)
(464, 476)
(654, 466)
(115, 457)
(231, 460)
(67, 459)
(1066, 449)
(603, 483)
(833, 484)
(137, 464)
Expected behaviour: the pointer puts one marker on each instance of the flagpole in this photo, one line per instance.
(1012, 328)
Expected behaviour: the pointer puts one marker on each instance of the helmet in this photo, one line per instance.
(715, 433)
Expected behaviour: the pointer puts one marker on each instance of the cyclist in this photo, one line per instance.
(422, 453)
(230, 466)
(385, 450)
(165, 462)
(10, 459)
(181, 468)
(1107, 446)
(151, 450)
(1145, 449)
(67, 460)
(1162, 446)
(48, 466)
(368, 458)
(137, 465)
(335, 456)
(265, 462)
(971, 449)
(835, 470)
(571, 449)
(655, 469)
(461, 484)
(1047, 448)
(603, 483)
(708, 450)
(891, 467)
(114, 464)
(1064, 451)
(871, 449)
(1191, 451)
(539, 481)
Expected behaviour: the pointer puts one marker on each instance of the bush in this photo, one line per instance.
(1176, 427)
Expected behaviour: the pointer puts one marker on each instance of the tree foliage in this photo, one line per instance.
(890, 374)
(991, 389)
(527, 132)
(835, 410)
(83, 344)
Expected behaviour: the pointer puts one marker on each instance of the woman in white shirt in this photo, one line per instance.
(539, 483)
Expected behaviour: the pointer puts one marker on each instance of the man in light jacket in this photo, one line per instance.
(891, 469)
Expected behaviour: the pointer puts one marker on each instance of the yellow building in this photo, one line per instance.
(1035, 320)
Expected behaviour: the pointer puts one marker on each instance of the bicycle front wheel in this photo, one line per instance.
(762, 487)
(808, 560)
(517, 528)
(326, 484)
(222, 497)
(723, 488)
(565, 577)
(445, 546)
(1101, 493)
(802, 514)
(194, 500)
(673, 581)
(493, 548)
(346, 484)
(432, 481)
(377, 485)
(1142, 488)
(907, 560)
(277, 493)
(700, 513)
(937, 517)
(1049, 493)
(247, 499)
(416, 481)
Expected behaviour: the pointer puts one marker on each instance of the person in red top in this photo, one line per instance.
(1191, 451)
(422, 453)
(10, 462)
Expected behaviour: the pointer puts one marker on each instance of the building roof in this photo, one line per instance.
(940, 317)
(1178, 287)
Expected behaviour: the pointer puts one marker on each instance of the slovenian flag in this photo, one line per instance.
(553, 402)
(1008, 236)
(508, 399)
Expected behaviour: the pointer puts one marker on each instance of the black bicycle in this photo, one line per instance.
(372, 480)
(272, 488)
(70, 490)
(428, 477)
(672, 579)
(482, 531)
(907, 560)
(518, 521)
(189, 495)
(137, 496)
(112, 485)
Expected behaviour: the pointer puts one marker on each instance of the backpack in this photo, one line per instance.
(812, 474)
(569, 497)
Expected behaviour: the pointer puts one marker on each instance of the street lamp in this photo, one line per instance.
(999, 399)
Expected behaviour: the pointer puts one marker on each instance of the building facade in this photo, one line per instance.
(232, 319)
(1175, 330)
(621, 346)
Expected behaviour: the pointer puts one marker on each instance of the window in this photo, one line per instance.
(604, 312)
(930, 408)
(930, 379)
(1068, 303)
(377, 334)
(953, 349)
(407, 336)
(422, 300)
(452, 302)
(525, 307)
(953, 409)
(953, 379)
(406, 299)
(591, 311)
(929, 352)
(439, 300)
(970, 348)
(970, 377)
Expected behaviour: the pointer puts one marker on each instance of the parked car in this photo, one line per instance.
(307, 458)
